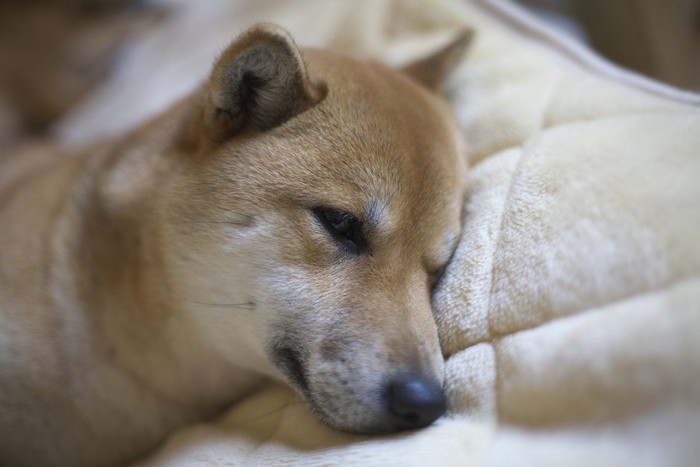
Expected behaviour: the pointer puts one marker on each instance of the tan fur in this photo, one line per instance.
(147, 283)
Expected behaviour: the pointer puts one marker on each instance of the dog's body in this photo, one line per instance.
(282, 221)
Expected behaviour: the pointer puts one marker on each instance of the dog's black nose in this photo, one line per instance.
(415, 402)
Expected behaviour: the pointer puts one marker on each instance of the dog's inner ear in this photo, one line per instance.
(259, 82)
(431, 71)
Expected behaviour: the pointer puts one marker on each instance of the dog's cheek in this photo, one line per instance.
(286, 300)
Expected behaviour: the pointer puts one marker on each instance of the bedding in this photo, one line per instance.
(570, 313)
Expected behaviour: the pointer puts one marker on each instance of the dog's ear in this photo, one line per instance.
(431, 71)
(259, 82)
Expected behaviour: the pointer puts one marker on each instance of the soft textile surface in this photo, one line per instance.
(570, 316)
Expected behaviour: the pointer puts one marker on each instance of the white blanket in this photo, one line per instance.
(570, 316)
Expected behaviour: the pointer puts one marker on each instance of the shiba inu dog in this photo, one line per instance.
(287, 220)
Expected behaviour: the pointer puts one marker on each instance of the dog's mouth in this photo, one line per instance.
(289, 361)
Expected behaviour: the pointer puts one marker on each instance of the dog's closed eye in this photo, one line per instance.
(345, 228)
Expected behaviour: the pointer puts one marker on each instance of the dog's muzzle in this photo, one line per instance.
(406, 401)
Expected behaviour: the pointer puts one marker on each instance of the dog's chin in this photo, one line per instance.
(336, 422)
(366, 415)
(372, 421)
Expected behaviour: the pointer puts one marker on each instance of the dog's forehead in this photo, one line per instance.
(375, 117)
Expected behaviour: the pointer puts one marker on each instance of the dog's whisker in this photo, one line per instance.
(266, 414)
(244, 223)
(230, 218)
(243, 305)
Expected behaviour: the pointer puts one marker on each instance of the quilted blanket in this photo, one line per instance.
(570, 314)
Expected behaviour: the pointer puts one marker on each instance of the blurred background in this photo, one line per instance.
(54, 52)
(658, 38)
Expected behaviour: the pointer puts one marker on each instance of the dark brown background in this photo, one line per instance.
(659, 38)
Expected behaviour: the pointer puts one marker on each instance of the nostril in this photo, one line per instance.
(415, 401)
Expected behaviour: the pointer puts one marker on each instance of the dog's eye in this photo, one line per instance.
(345, 228)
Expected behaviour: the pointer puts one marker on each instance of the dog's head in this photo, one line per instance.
(319, 211)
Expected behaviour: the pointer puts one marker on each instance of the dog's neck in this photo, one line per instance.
(107, 228)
